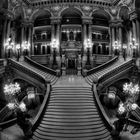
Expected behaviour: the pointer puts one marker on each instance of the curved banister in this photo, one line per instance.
(108, 63)
(42, 108)
(8, 123)
(106, 118)
(35, 75)
(1, 62)
(116, 70)
(37, 65)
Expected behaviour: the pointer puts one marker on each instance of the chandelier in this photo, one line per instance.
(131, 89)
(11, 89)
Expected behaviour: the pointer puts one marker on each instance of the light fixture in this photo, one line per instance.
(131, 89)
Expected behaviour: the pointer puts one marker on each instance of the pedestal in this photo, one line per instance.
(63, 71)
(79, 71)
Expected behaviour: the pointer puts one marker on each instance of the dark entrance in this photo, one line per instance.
(71, 63)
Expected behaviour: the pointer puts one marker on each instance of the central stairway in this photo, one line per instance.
(72, 113)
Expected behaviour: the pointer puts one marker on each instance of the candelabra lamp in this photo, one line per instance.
(132, 92)
(88, 62)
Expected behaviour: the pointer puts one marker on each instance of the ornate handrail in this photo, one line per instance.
(8, 123)
(106, 118)
(110, 62)
(4, 113)
(33, 74)
(118, 69)
(1, 62)
(42, 108)
(37, 65)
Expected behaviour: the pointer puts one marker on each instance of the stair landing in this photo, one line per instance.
(71, 81)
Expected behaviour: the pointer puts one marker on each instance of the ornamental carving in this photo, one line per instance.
(86, 10)
(55, 10)
(126, 2)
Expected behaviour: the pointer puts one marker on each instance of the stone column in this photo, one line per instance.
(138, 35)
(134, 28)
(90, 29)
(30, 38)
(8, 28)
(120, 37)
(4, 38)
(112, 38)
(22, 38)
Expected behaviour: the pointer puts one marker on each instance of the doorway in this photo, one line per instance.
(71, 63)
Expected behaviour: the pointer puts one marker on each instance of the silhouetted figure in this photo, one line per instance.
(119, 124)
(23, 122)
(124, 54)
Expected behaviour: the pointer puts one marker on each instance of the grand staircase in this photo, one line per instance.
(72, 113)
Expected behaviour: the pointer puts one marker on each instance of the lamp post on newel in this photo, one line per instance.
(88, 44)
(132, 91)
(116, 48)
(26, 47)
(134, 45)
(8, 47)
(54, 46)
(18, 51)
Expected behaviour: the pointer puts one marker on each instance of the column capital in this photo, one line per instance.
(86, 20)
(55, 20)
(116, 23)
(27, 24)
(133, 15)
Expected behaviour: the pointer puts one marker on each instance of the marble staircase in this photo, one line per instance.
(72, 113)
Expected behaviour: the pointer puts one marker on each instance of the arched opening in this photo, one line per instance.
(42, 31)
(126, 30)
(100, 32)
(71, 37)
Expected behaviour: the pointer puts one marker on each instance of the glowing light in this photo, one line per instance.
(22, 106)
(131, 89)
(121, 108)
(31, 96)
(11, 89)
(134, 106)
(11, 106)
(111, 95)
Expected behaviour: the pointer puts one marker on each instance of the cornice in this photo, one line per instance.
(55, 2)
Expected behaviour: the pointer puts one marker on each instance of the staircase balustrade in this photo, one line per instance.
(39, 66)
(36, 120)
(28, 71)
(103, 66)
(4, 113)
(104, 115)
(115, 71)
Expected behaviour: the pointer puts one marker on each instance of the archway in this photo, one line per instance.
(42, 31)
(71, 36)
(100, 30)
